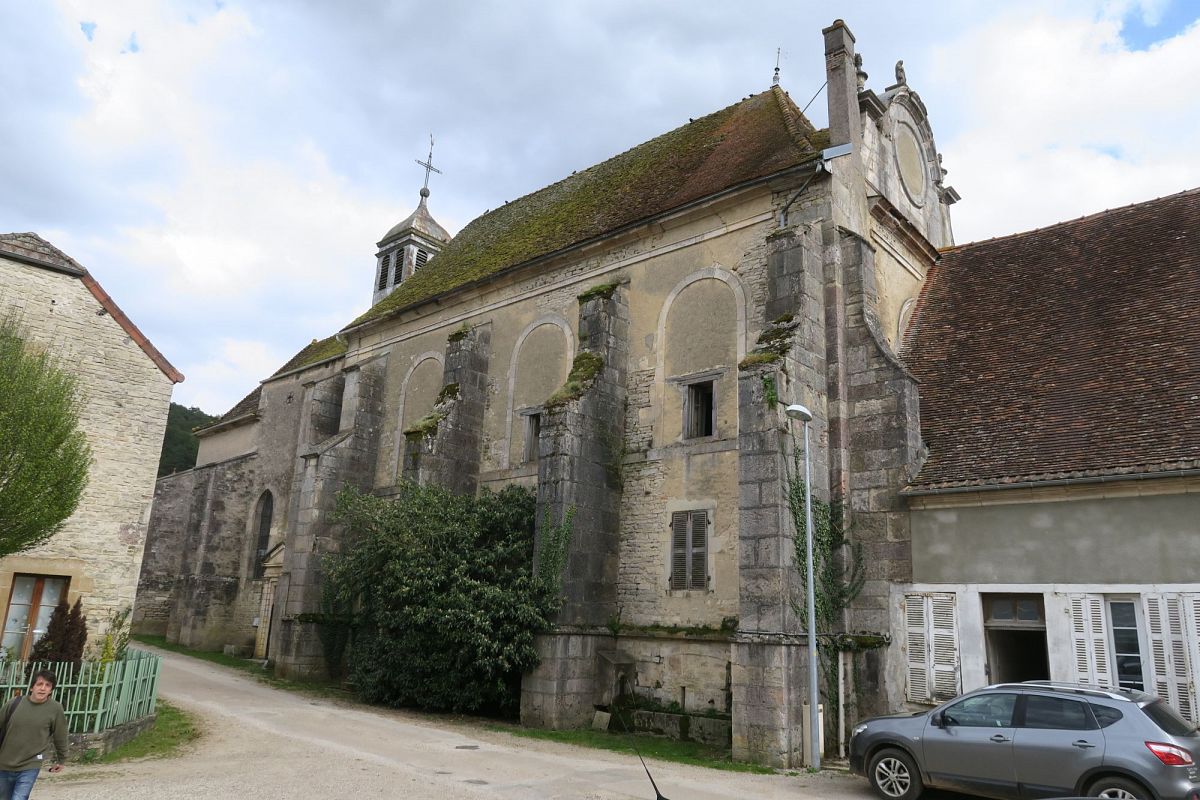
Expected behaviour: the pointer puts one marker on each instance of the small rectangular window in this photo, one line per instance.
(422, 258)
(533, 430)
(700, 410)
(689, 550)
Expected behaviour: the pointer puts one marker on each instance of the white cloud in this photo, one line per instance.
(227, 182)
(237, 363)
(1058, 118)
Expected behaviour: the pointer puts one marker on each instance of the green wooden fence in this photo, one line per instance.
(96, 695)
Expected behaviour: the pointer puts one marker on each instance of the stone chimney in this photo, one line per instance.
(842, 91)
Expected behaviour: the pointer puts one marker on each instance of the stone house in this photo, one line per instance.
(697, 281)
(126, 386)
(1056, 521)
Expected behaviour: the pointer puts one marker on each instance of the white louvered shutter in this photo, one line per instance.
(1168, 651)
(1093, 663)
(916, 642)
(1191, 633)
(944, 635)
(679, 553)
(698, 575)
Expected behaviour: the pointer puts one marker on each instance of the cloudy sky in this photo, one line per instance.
(224, 169)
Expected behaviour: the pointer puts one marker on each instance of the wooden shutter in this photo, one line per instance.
(1168, 652)
(917, 644)
(698, 563)
(384, 261)
(1093, 663)
(943, 627)
(1191, 634)
(679, 549)
(931, 639)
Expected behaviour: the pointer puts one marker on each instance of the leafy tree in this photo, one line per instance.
(441, 596)
(44, 457)
(179, 442)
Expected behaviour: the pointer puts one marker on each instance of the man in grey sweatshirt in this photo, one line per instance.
(29, 724)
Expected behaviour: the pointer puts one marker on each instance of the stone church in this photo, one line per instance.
(684, 292)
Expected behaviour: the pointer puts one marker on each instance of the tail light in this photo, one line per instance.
(1170, 755)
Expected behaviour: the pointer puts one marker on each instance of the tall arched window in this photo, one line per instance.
(266, 506)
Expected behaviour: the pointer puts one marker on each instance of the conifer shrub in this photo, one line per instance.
(440, 597)
(65, 636)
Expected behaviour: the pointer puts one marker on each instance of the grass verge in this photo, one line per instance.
(172, 729)
(249, 667)
(663, 749)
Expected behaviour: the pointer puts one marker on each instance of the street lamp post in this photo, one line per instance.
(801, 413)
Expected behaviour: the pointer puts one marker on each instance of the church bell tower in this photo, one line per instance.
(410, 243)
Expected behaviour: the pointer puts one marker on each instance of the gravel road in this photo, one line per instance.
(265, 743)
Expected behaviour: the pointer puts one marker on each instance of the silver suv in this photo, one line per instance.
(1036, 739)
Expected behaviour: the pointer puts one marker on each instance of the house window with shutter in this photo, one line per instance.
(931, 641)
(422, 258)
(1172, 630)
(689, 550)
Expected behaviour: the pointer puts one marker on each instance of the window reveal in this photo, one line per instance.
(700, 410)
(266, 507)
(689, 550)
(533, 429)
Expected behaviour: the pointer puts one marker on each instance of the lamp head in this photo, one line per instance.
(799, 412)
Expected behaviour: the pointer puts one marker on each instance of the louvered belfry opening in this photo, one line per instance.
(689, 550)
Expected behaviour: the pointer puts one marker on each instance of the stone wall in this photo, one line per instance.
(124, 413)
(162, 560)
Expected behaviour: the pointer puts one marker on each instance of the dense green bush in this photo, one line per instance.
(440, 596)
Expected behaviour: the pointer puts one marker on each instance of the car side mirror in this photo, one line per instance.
(937, 720)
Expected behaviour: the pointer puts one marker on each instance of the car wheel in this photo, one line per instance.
(1120, 788)
(894, 775)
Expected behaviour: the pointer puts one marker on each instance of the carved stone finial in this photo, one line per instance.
(859, 72)
(942, 169)
(900, 79)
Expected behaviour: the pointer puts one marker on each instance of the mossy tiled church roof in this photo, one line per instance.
(760, 136)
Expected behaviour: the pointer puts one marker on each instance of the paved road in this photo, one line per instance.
(264, 743)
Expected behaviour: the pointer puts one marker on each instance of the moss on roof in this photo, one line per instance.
(316, 350)
(760, 136)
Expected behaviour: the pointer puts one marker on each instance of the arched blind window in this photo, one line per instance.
(266, 507)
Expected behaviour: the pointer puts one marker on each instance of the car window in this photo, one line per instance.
(982, 711)
(1106, 716)
(1056, 713)
(1168, 719)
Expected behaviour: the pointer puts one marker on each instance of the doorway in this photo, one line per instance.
(1015, 632)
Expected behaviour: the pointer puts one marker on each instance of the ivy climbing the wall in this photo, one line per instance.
(837, 570)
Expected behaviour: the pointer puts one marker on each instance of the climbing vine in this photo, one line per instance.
(838, 574)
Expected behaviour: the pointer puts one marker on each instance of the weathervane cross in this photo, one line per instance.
(428, 164)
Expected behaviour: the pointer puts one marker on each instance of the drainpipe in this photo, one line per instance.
(818, 169)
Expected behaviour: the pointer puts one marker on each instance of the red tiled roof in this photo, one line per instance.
(33, 249)
(1067, 351)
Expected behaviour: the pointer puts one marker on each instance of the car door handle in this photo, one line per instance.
(999, 737)
(1082, 744)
